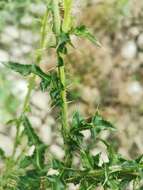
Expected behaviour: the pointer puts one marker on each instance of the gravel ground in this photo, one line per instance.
(108, 78)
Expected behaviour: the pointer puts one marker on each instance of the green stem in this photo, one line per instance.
(56, 17)
(61, 68)
(31, 80)
(28, 95)
(62, 76)
(67, 21)
(64, 107)
(99, 174)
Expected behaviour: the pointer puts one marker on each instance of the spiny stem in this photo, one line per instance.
(99, 173)
(31, 80)
(61, 72)
(56, 17)
(61, 68)
(67, 20)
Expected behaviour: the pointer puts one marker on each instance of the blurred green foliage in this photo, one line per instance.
(8, 101)
(12, 11)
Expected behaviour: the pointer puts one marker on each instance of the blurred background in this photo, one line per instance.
(109, 78)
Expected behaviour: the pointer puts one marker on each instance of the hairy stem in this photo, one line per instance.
(62, 76)
(67, 21)
(61, 68)
(99, 174)
(56, 18)
(64, 100)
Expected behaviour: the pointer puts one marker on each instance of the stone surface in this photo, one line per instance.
(4, 56)
(132, 93)
(20, 88)
(90, 95)
(134, 31)
(27, 36)
(36, 121)
(12, 31)
(37, 9)
(27, 20)
(40, 100)
(129, 50)
(104, 62)
(87, 134)
(73, 187)
(6, 144)
(52, 171)
(140, 41)
(57, 151)
(46, 134)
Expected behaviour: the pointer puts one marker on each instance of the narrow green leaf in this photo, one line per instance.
(101, 124)
(87, 160)
(11, 121)
(57, 164)
(83, 32)
(26, 161)
(76, 120)
(20, 68)
(2, 154)
(33, 139)
(39, 155)
(96, 159)
(27, 69)
(38, 71)
(44, 84)
(29, 181)
(56, 183)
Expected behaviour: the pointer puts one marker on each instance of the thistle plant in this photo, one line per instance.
(31, 172)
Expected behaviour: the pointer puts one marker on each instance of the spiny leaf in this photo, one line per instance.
(96, 159)
(83, 32)
(64, 39)
(26, 70)
(101, 124)
(56, 183)
(37, 71)
(12, 121)
(97, 122)
(76, 120)
(113, 184)
(60, 61)
(55, 90)
(75, 140)
(26, 161)
(139, 159)
(39, 156)
(2, 154)
(56, 164)
(33, 139)
(44, 84)
(29, 181)
(20, 68)
(40, 148)
(87, 160)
